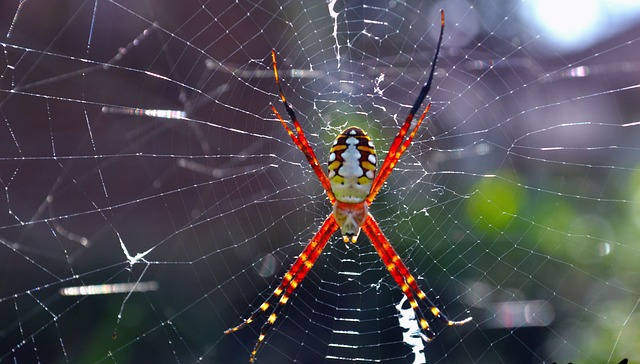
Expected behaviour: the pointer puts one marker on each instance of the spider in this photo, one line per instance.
(351, 186)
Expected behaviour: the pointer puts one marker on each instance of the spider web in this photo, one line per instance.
(150, 199)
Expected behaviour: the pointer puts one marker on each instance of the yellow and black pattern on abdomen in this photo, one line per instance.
(352, 164)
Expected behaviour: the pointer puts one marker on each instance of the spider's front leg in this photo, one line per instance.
(405, 280)
(290, 282)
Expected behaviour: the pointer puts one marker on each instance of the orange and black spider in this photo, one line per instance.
(351, 185)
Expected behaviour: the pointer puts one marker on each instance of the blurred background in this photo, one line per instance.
(151, 200)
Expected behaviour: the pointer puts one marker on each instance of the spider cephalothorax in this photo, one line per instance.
(351, 185)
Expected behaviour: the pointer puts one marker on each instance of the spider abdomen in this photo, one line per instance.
(352, 165)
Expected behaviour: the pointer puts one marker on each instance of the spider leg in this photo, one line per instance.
(299, 137)
(404, 279)
(399, 144)
(394, 154)
(376, 236)
(290, 282)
